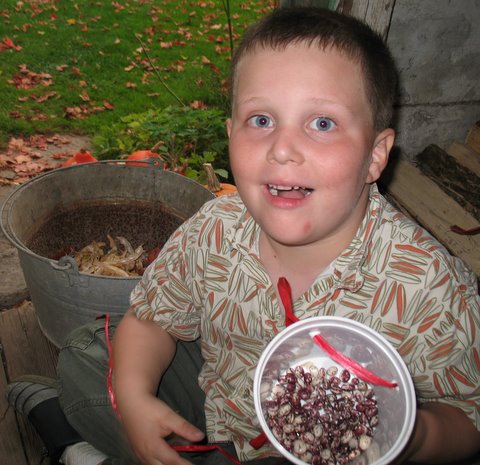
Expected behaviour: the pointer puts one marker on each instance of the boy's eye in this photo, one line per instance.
(260, 121)
(322, 123)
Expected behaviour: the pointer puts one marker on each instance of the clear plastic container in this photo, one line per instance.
(295, 346)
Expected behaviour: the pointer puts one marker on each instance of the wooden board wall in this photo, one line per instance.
(24, 350)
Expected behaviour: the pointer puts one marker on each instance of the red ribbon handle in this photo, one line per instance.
(351, 364)
(206, 448)
(108, 342)
(286, 295)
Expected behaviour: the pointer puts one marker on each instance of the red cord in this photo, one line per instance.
(286, 298)
(110, 366)
(466, 232)
(362, 372)
(205, 448)
(258, 441)
(352, 365)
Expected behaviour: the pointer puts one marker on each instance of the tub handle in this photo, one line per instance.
(69, 266)
(65, 263)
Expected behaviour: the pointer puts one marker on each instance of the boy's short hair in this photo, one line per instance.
(325, 28)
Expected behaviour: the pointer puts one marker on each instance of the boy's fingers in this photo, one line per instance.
(178, 426)
(186, 430)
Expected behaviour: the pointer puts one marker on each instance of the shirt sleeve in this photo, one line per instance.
(164, 294)
(449, 369)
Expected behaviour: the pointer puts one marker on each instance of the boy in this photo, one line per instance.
(312, 97)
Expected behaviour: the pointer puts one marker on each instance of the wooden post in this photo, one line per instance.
(319, 3)
(376, 13)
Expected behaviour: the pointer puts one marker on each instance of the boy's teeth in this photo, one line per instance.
(276, 189)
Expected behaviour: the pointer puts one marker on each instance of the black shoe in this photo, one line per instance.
(36, 397)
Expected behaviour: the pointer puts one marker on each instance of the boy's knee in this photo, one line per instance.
(87, 342)
(83, 364)
(81, 346)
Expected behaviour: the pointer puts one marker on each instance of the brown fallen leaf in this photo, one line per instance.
(60, 155)
(22, 159)
(57, 140)
(108, 105)
(16, 144)
(45, 97)
(4, 160)
(84, 96)
(26, 79)
(73, 112)
(16, 114)
(40, 117)
(198, 105)
(28, 168)
(7, 44)
(97, 109)
(118, 7)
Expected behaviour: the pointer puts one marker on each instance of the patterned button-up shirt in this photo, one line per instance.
(394, 277)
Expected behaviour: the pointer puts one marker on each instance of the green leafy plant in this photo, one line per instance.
(184, 137)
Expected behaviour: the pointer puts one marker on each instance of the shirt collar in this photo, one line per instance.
(348, 266)
(243, 235)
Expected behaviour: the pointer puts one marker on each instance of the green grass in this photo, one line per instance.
(91, 48)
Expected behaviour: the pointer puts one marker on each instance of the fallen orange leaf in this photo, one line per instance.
(84, 96)
(7, 43)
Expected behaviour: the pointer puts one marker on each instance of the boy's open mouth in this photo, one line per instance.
(289, 192)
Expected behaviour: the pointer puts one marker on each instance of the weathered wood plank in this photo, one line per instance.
(454, 179)
(473, 138)
(376, 13)
(465, 156)
(25, 351)
(11, 446)
(434, 210)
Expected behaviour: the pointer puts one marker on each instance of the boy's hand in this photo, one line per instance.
(442, 433)
(148, 422)
(142, 351)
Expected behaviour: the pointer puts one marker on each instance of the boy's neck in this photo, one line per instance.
(300, 265)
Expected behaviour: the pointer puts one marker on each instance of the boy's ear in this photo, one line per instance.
(381, 149)
(228, 124)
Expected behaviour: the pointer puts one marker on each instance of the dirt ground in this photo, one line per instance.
(22, 160)
(26, 157)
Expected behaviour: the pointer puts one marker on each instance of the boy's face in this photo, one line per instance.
(302, 144)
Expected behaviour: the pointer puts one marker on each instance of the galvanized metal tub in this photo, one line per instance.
(63, 297)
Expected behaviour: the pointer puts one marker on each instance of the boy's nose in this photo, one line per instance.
(285, 146)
